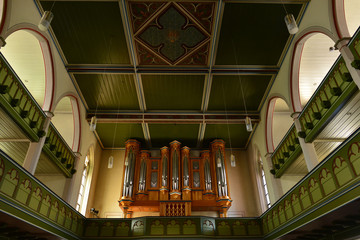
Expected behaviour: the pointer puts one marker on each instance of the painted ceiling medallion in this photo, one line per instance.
(172, 33)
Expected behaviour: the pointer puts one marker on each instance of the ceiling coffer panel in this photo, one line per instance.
(226, 92)
(89, 32)
(172, 33)
(253, 33)
(114, 135)
(108, 91)
(173, 92)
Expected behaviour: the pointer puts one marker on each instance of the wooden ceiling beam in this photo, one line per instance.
(129, 69)
(181, 118)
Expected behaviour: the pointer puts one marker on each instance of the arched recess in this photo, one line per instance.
(338, 9)
(278, 118)
(3, 8)
(39, 43)
(278, 122)
(351, 11)
(322, 55)
(67, 120)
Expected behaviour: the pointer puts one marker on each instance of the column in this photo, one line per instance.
(35, 148)
(275, 182)
(308, 149)
(348, 58)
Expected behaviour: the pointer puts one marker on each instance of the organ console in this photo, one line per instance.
(175, 184)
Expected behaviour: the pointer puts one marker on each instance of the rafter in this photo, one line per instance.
(138, 83)
(175, 117)
(209, 77)
(129, 69)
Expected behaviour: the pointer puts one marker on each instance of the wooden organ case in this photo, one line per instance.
(175, 184)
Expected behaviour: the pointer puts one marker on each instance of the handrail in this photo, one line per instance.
(19, 103)
(334, 91)
(59, 151)
(336, 175)
(36, 201)
(286, 152)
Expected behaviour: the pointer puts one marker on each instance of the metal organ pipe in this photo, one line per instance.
(164, 174)
(186, 172)
(175, 173)
(207, 175)
(129, 175)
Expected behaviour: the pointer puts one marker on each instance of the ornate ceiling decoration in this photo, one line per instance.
(172, 33)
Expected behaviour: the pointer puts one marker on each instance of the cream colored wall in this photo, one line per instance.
(288, 181)
(64, 123)
(108, 184)
(242, 190)
(281, 124)
(56, 182)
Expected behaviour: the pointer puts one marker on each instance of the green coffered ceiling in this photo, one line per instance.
(172, 70)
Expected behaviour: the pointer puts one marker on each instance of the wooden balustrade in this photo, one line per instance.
(58, 150)
(286, 153)
(354, 46)
(18, 102)
(334, 91)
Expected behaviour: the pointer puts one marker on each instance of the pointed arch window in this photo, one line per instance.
(82, 198)
(264, 184)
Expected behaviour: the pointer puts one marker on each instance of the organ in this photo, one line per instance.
(175, 184)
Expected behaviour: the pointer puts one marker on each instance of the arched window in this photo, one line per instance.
(83, 193)
(262, 184)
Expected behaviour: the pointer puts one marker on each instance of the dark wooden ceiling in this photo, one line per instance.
(160, 71)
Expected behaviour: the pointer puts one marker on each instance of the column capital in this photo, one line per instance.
(2, 42)
(295, 115)
(341, 43)
(49, 114)
(77, 154)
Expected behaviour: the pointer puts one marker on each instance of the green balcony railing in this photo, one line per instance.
(286, 153)
(180, 227)
(18, 102)
(334, 182)
(334, 91)
(354, 46)
(58, 150)
(22, 195)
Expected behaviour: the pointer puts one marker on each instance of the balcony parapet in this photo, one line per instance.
(333, 92)
(22, 195)
(286, 152)
(332, 183)
(16, 100)
(354, 46)
(59, 151)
